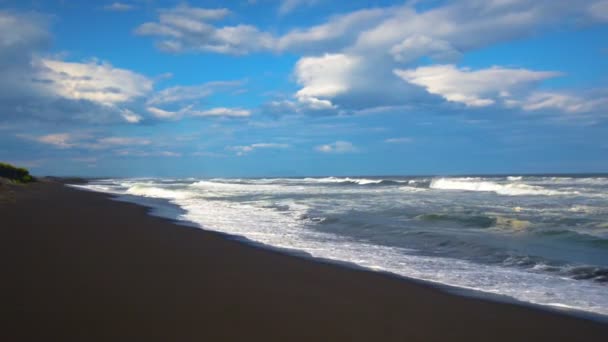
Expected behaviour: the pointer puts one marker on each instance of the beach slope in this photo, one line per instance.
(78, 266)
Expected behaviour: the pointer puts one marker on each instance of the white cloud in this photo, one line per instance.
(190, 93)
(179, 30)
(59, 140)
(119, 7)
(447, 29)
(348, 56)
(189, 111)
(323, 77)
(563, 102)
(401, 140)
(417, 46)
(337, 147)
(222, 111)
(131, 117)
(337, 33)
(52, 90)
(96, 82)
(186, 28)
(166, 114)
(390, 38)
(242, 150)
(86, 141)
(473, 88)
(470, 24)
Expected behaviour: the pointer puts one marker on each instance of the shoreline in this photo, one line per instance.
(302, 292)
(447, 288)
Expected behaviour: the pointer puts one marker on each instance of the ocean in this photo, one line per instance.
(535, 239)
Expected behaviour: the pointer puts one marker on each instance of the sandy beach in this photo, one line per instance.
(81, 267)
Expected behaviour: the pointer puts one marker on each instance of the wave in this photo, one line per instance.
(371, 221)
(348, 180)
(240, 187)
(156, 192)
(598, 274)
(577, 272)
(508, 189)
(580, 236)
(216, 184)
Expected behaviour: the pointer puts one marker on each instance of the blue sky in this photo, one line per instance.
(304, 87)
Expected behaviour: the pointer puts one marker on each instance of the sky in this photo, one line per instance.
(267, 88)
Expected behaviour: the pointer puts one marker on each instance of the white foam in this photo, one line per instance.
(157, 192)
(272, 228)
(360, 181)
(257, 220)
(508, 189)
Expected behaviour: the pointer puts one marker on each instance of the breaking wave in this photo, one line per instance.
(540, 239)
(508, 189)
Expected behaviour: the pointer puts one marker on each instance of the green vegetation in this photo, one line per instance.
(16, 174)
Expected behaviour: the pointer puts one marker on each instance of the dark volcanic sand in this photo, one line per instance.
(80, 267)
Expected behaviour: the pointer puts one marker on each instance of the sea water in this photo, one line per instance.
(537, 239)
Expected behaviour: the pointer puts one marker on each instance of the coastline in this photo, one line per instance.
(82, 266)
(164, 208)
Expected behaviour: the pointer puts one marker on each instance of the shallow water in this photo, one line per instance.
(542, 240)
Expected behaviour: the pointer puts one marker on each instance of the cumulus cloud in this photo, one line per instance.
(242, 150)
(54, 90)
(46, 89)
(473, 88)
(337, 147)
(344, 83)
(348, 56)
(387, 39)
(186, 28)
(96, 82)
(323, 77)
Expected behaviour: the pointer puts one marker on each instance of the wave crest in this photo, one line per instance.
(508, 189)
